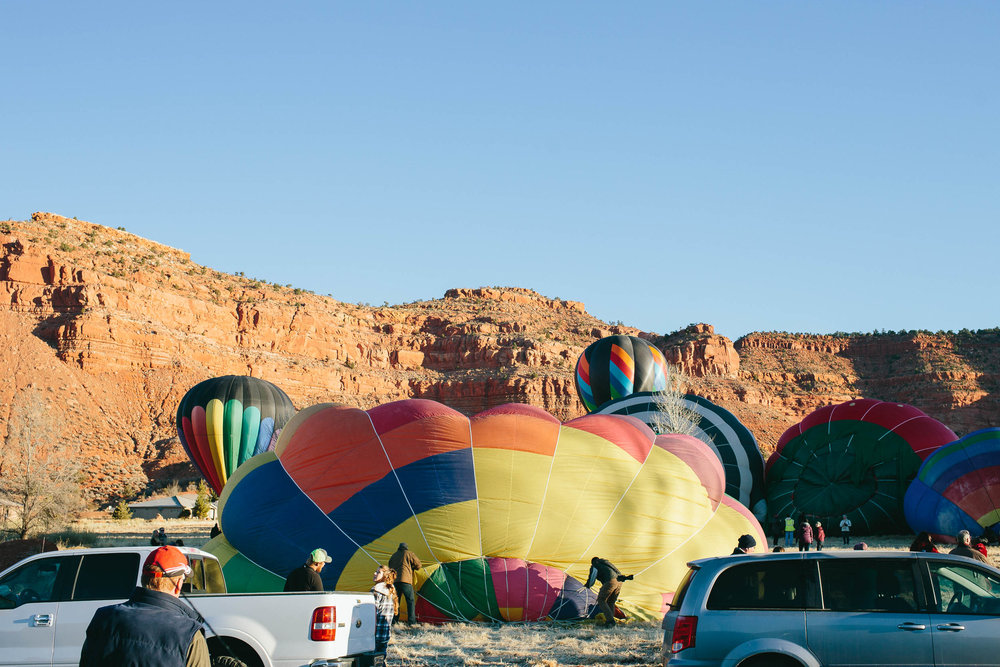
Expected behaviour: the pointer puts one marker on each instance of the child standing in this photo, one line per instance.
(820, 536)
(386, 604)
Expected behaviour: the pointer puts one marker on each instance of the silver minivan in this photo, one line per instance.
(834, 609)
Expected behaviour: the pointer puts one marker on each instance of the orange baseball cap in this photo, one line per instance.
(170, 559)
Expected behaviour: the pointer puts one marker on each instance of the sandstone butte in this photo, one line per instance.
(114, 329)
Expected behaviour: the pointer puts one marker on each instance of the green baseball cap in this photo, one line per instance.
(319, 556)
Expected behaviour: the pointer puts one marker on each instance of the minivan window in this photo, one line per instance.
(963, 589)
(678, 598)
(107, 576)
(868, 585)
(776, 584)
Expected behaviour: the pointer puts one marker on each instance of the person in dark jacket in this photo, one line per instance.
(744, 545)
(611, 578)
(923, 542)
(153, 628)
(306, 577)
(403, 562)
(804, 536)
(965, 547)
(820, 535)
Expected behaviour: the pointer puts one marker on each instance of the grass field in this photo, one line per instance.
(459, 644)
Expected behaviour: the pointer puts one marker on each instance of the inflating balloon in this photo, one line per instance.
(618, 366)
(504, 509)
(856, 458)
(225, 421)
(958, 487)
(731, 441)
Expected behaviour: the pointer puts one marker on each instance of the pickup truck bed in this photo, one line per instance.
(47, 601)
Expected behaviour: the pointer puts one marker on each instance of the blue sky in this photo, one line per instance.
(784, 166)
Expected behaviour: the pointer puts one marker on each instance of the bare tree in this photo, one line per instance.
(672, 414)
(38, 473)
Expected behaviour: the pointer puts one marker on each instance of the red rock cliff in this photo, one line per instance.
(114, 329)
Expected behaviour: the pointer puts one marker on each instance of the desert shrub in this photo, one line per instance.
(122, 511)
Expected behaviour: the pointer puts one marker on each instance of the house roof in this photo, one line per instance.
(184, 500)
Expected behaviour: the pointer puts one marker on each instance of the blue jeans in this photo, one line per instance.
(789, 538)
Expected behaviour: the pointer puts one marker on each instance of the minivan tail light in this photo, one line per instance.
(683, 637)
(324, 624)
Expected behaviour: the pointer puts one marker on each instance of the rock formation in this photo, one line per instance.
(114, 329)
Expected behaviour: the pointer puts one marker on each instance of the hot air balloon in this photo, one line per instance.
(224, 421)
(731, 441)
(958, 487)
(505, 509)
(618, 366)
(856, 458)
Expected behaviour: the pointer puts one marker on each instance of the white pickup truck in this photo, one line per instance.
(47, 601)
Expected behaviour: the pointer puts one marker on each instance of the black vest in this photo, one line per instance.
(151, 629)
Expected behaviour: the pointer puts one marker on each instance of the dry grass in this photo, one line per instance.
(136, 532)
(530, 645)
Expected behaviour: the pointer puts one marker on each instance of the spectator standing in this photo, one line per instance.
(805, 536)
(403, 562)
(745, 545)
(386, 607)
(159, 537)
(306, 577)
(820, 536)
(923, 542)
(845, 529)
(979, 544)
(778, 529)
(611, 578)
(965, 548)
(789, 531)
(152, 627)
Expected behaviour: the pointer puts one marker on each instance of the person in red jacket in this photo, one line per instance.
(820, 536)
(923, 542)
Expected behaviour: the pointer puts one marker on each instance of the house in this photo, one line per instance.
(168, 507)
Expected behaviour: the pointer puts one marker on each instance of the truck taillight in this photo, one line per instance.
(683, 637)
(324, 624)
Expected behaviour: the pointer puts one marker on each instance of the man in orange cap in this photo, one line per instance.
(153, 627)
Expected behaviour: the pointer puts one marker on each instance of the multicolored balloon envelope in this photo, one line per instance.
(856, 458)
(731, 441)
(225, 421)
(618, 366)
(505, 509)
(958, 487)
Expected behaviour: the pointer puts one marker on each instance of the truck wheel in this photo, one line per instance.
(227, 661)
(229, 648)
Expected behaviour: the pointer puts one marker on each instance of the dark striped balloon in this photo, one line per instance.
(224, 421)
(618, 366)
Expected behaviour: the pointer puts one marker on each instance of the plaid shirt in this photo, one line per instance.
(384, 611)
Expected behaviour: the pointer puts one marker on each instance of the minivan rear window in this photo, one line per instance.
(777, 585)
(683, 588)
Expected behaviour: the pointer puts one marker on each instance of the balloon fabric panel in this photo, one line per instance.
(249, 431)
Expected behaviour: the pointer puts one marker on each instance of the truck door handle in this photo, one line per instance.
(911, 626)
(42, 620)
(951, 627)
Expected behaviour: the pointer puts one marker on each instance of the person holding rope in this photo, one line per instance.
(611, 578)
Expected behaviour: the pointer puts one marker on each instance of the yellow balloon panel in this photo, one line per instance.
(444, 534)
